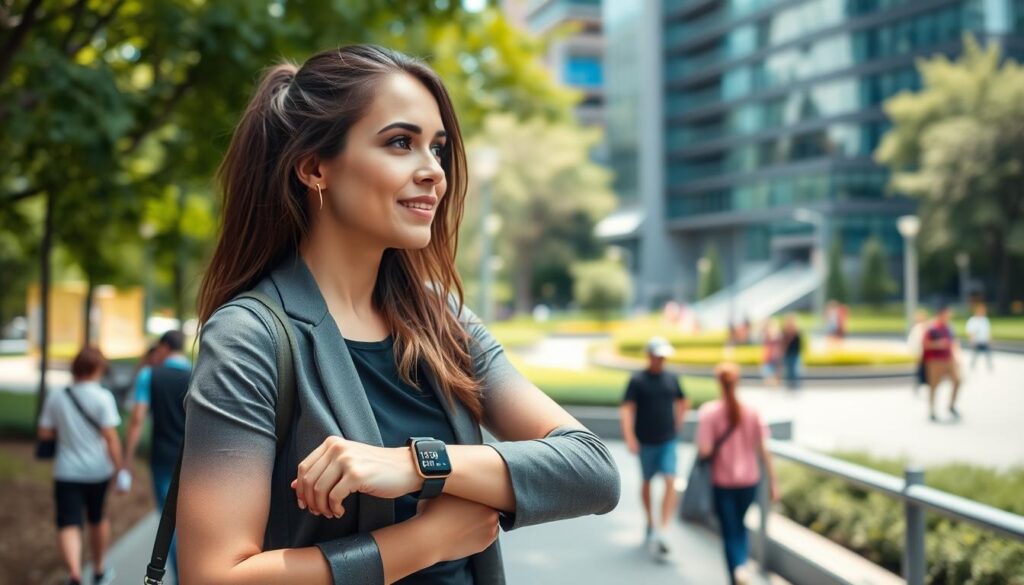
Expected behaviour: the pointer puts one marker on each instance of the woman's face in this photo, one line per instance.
(387, 183)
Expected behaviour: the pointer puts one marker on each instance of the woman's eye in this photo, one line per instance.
(438, 150)
(401, 142)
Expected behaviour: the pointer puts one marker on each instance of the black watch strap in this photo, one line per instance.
(431, 488)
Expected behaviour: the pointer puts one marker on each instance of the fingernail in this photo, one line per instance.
(302, 505)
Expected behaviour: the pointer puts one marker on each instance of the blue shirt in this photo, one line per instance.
(144, 381)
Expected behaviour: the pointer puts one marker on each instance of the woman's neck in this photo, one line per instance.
(345, 270)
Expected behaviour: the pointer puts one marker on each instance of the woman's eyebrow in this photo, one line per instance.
(411, 128)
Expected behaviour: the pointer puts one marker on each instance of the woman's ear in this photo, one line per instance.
(310, 171)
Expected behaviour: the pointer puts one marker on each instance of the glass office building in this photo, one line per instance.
(767, 106)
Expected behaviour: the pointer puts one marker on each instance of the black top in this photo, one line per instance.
(655, 396)
(168, 387)
(403, 411)
(793, 345)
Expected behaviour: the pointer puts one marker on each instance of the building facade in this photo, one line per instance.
(764, 107)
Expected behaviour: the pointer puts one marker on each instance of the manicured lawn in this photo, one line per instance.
(600, 386)
(17, 414)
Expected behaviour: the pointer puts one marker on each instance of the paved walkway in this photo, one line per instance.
(884, 417)
(596, 550)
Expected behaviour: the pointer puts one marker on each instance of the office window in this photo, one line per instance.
(584, 71)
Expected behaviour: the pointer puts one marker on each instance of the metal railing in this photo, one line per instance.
(917, 499)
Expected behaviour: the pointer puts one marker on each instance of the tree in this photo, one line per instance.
(710, 274)
(600, 286)
(876, 284)
(835, 288)
(104, 105)
(958, 146)
(546, 186)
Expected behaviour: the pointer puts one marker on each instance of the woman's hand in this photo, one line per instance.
(459, 527)
(339, 467)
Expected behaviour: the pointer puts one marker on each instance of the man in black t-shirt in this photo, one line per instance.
(652, 412)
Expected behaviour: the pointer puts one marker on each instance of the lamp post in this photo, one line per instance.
(909, 226)
(486, 162)
(147, 231)
(818, 261)
(963, 264)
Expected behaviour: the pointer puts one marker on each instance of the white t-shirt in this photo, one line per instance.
(979, 329)
(81, 451)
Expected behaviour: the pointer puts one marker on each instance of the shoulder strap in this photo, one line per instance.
(286, 351)
(721, 440)
(78, 406)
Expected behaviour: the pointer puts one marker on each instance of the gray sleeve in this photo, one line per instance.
(230, 417)
(567, 474)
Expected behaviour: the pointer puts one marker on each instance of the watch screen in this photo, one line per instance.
(433, 458)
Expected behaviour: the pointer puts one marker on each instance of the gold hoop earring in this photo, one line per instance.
(321, 194)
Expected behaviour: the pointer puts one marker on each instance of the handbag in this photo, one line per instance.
(47, 448)
(699, 498)
(282, 422)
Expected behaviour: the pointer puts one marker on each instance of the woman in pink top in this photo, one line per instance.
(733, 434)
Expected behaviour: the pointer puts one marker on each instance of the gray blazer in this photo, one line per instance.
(230, 430)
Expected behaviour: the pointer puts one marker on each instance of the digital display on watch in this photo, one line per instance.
(433, 458)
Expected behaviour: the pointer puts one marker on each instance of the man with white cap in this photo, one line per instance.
(652, 412)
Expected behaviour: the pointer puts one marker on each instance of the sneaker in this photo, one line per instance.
(953, 411)
(106, 578)
(648, 534)
(933, 418)
(659, 548)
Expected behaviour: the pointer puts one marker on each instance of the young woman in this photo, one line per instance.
(343, 188)
(84, 420)
(734, 433)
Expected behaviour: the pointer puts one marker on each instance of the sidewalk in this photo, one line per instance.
(596, 550)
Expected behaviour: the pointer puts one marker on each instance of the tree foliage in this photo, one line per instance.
(548, 195)
(600, 286)
(710, 280)
(876, 283)
(958, 146)
(835, 288)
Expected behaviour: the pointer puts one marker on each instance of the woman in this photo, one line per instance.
(83, 418)
(733, 434)
(344, 185)
(771, 352)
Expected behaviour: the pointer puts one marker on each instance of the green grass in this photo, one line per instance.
(17, 414)
(600, 386)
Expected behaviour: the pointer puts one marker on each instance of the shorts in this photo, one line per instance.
(936, 370)
(921, 377)
(72, 496)
(658, 458)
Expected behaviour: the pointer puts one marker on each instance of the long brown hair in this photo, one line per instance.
(728, 375)
(298, 111)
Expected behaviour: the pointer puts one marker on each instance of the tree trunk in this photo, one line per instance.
(44, 299)
(1002, 258)
(87, 330)
(179, 262)
(524, 279)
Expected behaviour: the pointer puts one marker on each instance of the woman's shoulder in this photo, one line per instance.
(239, 324)
(709, 409)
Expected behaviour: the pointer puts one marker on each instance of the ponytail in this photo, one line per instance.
(728, 375)
(261, 220)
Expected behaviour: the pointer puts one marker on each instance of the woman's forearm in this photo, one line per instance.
(401, 558)
(480, 475)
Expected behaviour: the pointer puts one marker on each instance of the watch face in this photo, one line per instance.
(433, 458)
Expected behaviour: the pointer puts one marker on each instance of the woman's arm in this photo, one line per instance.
(113, 443)
(46, 434)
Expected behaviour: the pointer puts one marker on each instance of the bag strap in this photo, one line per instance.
(78, 406)
(721, 440)
(286, 351)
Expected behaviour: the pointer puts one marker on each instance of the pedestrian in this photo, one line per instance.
(915, 345)
(652, 412)
(160, 391)
(83, 420)
(733, 435)
(940, 360)
(771, 352)
(833, 322)
(792, 349)
(979, 333)
(344, 186)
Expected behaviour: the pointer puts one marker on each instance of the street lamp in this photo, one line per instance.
(909, 226)
(963, 263)
(486, 162)
(818, 261)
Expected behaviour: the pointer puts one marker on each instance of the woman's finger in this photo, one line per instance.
(342, 490)
(332, 473)
(304, 466)
(308, 480)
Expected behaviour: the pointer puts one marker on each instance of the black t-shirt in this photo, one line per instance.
(403, 411)
(168, 387)
(655, 396)
(794, 344)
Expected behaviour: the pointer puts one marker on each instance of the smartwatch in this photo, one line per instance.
(431, 459)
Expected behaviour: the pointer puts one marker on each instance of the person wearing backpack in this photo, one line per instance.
(344, 186)
(733, 436)
(82, 421)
